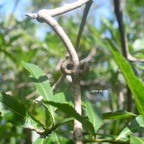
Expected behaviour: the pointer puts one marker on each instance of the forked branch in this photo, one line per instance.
(76, 67)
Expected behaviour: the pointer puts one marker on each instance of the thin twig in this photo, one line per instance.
(31, 95)
(91, 54)
(124, 42)
(58, 82)
(85, 14)
(58, 65)
(119, 16)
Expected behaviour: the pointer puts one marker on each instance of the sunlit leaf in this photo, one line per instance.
(136, 86)
(42, 141)
(42, 84)
(136, 140)
(136, 125)
(40, 80)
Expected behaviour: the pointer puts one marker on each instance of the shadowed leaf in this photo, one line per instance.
(70, 111)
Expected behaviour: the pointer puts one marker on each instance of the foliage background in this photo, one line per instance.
(22, 39)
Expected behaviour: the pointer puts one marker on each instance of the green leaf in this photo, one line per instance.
(135, 85)
(119, 114)
(57, 139)
(136, 125)
(40, 80)
(60, 97)
(136, 140)
(42, 141)
(53, 138)
(14, 111)
(40, 114)
(70, 111)
(42, 84)
(94, 116)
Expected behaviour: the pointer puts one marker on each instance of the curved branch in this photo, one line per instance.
(61, 10)
(46, 16)
(42, 16)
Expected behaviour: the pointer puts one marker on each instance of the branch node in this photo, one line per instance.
(40, 16)
(68, 67)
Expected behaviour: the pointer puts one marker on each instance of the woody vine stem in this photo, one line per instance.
(71, 66)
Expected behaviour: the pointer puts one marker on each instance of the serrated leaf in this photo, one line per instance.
(136, 125)
(136, 140)
(14, 111)
(136, 86)
(94, 116)
(40, 80)
(70, 111)
(119, 114)
(42, 84)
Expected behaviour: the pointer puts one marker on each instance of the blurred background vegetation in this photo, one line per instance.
(22, 39)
